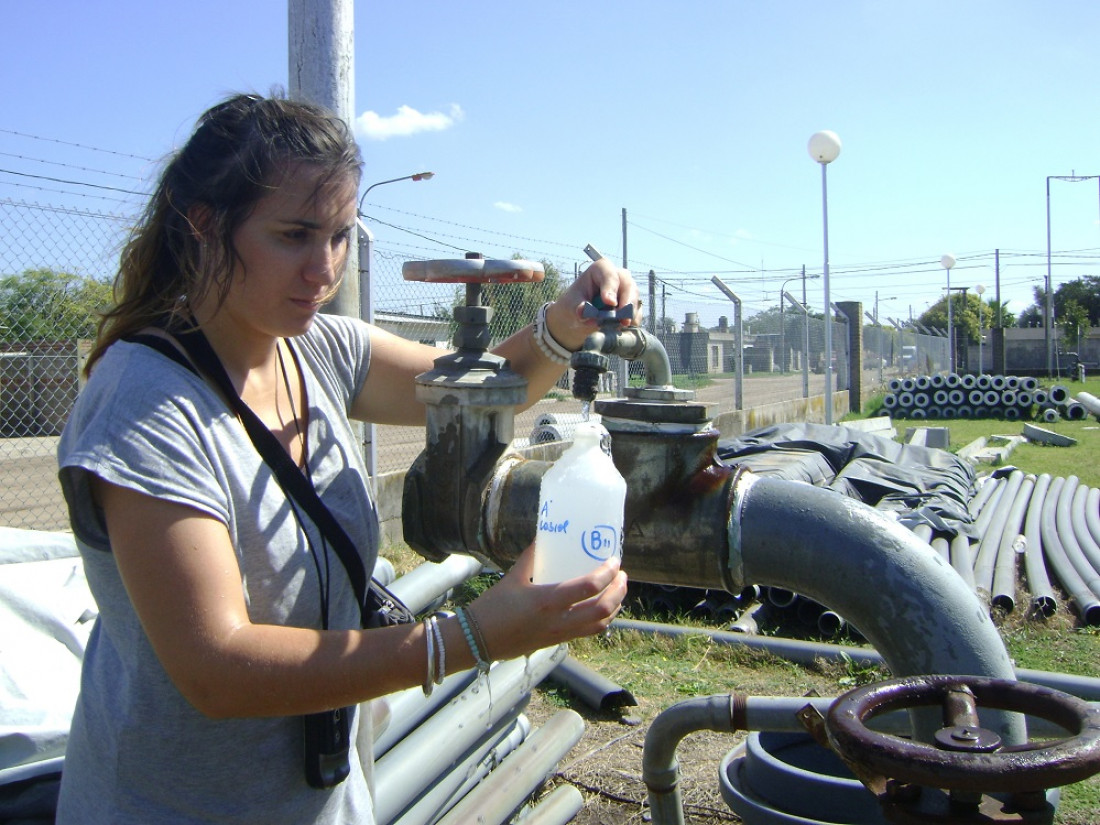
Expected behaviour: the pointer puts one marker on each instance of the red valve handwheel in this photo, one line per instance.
(473, 271)
(1033, 766)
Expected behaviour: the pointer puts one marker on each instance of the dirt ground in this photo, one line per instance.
(606, 766)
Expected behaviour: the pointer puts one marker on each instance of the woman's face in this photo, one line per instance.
(291, 249)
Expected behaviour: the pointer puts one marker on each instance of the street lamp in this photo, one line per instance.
(948, 261)
(824, 147)
(414, 177)
(981, 328)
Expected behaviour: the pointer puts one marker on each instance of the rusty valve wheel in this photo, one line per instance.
(966, 757)
(473, 269)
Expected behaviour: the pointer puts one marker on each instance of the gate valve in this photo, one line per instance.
(966, 760)
(472, 335)
(469, 398)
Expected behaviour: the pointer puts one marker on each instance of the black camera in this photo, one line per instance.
(327, 746)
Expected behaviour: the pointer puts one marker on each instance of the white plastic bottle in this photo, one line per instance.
(581, 503)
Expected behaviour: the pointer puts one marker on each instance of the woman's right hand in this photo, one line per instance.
(517, 617)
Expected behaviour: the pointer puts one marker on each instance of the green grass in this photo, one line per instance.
(1081, 460)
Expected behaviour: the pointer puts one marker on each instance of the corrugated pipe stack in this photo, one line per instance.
(1030, 534)
(949, 395)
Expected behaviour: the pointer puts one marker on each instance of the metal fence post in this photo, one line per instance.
(739, 358)
(366, 312)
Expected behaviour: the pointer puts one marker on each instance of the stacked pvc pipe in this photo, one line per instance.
(1060, 404)
(1090, 403)
(467, 747)
(551, 427)
(1029, 535)
(748, 612)
(949, 395)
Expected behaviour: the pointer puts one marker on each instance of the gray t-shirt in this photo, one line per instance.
(138, 752)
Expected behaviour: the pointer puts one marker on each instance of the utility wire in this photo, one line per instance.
(73, 182)
(77, 145)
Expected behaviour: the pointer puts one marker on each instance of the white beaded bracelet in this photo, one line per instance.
(546, 342)
(441, 650)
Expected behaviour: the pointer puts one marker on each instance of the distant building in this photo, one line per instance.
(427, 329)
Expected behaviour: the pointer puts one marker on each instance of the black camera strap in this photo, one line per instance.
(290, 478)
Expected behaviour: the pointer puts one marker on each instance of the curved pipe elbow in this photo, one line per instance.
(633, 344)
(901, 595)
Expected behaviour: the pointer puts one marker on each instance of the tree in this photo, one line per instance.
(965, 319)
(47, 305)
(515, 305)
(1073, 319)
(1083, 291)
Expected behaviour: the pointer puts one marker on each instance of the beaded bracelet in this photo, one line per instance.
(546, 342)
(441, 650)
(429, 676)
(482, 662)
(476, 626)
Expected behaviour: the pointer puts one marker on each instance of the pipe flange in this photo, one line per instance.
(690, 413)
(666, 395)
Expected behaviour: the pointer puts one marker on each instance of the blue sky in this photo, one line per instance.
(544, 121)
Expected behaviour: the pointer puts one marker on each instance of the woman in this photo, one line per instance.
(225, 617)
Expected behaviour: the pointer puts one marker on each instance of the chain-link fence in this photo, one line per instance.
(56, 266)
(891, 352)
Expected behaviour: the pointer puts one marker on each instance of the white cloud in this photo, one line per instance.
(504, 206)
(407, 121)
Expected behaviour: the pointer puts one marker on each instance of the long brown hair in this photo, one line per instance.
(232, 159)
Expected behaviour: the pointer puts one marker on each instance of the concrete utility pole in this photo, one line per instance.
(321, 36)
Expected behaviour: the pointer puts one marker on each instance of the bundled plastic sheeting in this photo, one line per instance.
(918, 484)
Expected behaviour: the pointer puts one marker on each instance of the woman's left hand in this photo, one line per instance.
(615, 288)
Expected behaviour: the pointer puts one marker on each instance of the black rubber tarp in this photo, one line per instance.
(916, 483)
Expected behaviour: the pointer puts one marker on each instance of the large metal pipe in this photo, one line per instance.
(689, 523)
(693, 520)
(1043, 601)
(920, 615)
